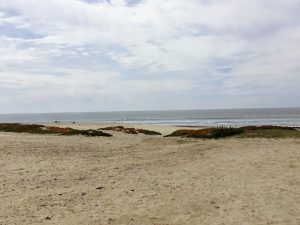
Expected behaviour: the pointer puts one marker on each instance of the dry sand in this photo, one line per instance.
(142, 180)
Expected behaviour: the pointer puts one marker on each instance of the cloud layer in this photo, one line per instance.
(89, 55)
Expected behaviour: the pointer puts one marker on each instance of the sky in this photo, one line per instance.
(115, 55)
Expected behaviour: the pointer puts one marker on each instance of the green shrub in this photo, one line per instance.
(226, 131)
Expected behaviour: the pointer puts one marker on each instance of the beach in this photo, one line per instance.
(145, 180)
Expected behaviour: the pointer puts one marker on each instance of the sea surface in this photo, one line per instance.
(216, 117)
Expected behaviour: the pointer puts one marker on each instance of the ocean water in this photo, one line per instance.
(218, 117)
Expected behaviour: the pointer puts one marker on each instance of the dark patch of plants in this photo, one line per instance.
(22, 128)
(148, 132)
(217, 132)
(268, 127)
(267, 131)
(87, 133)
(226, 131)
(41, 129)
(131, 130)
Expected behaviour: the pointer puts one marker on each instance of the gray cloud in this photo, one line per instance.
(114, 55)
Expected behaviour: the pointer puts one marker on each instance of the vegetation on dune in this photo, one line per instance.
(268, 127)
(217, 132)
(88, 133)
(131, 130)
(210, 133)
(270, 132)
(22, 128)
(245, 132)
(201, 133)
(226, 131)
(148, 132)
(121, 129)
(41, 129)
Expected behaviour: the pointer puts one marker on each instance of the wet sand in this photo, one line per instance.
(138, 179)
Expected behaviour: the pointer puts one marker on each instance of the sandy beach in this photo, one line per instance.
(145, 180)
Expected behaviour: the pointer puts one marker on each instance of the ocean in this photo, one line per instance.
(215, 117)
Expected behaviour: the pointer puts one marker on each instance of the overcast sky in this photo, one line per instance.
(101, 55)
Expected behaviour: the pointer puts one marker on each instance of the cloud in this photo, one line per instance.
(100, 88)
(191, 49)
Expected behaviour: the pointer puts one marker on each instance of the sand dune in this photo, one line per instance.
(137, 179)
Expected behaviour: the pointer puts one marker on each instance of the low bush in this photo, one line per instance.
(245, 132)
(217, 132)
(129, 130)
(226, 131)
(41, 129)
